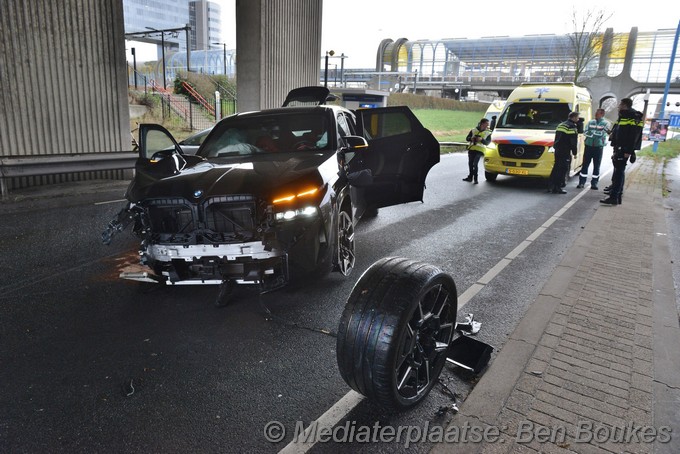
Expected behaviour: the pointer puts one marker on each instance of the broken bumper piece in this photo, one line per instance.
(270, 273)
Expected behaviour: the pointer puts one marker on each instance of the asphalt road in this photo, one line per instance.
(91, 363)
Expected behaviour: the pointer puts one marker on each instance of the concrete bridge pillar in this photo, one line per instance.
(63, 78)
(620, 86)
(278, 48)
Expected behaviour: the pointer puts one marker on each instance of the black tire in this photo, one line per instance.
(490, 176)
(395, 331)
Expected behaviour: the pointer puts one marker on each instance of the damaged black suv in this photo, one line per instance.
(272, 193)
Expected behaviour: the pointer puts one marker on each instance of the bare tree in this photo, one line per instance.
(586, 41)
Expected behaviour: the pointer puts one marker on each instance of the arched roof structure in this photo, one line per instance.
(537, 57)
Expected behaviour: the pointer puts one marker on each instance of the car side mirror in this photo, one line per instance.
(355, 142)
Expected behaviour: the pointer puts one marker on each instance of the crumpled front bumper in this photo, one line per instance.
(203, 264)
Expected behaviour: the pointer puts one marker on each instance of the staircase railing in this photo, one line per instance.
(171, 100)
(197, 96)
(222, 89)
(135, 76)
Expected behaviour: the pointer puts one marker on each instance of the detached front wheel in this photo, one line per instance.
(395, 331)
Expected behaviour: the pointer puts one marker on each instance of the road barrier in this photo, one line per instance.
(72, 163)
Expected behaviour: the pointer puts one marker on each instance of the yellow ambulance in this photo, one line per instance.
(522, 142)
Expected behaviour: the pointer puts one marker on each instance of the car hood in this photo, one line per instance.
(262, 176)
(524, 137)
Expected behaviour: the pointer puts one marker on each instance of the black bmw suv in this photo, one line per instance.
(270, 194)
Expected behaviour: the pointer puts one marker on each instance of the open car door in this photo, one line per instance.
(155, 142)
(401, 151)
(159, 156)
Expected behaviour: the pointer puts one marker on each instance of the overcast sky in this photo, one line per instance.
(356, 27)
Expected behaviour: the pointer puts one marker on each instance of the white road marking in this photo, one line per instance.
(352, 398)
(327, 420)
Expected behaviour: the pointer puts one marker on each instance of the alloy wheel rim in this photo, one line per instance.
(426, 340)
(346, 256)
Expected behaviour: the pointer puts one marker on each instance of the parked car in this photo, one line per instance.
(191, 144)
(270, 194)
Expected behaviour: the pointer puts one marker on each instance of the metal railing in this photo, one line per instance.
(51, 165)
(210, 107)
(135, 79)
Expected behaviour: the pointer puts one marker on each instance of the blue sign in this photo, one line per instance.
(674, 121)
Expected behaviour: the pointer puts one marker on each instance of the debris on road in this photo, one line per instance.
(469, 326)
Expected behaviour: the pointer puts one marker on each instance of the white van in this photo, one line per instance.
(494, 109)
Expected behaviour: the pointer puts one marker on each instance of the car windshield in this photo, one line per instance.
(533, 115)
(268, 133)
(197, 138)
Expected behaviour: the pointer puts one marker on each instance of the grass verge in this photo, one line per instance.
(448, 125)
(666, 151)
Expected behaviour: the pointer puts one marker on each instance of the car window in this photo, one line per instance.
(156, 141)
(377, 125)
(196, 139)
(343, 127)
(268, 133)
(534, 115)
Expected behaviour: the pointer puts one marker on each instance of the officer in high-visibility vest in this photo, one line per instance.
(478, 138)
(566, 141)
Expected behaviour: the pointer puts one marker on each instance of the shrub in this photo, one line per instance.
(430, 102)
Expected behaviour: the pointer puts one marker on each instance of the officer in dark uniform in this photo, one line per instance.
(566, 142)
(626, 138)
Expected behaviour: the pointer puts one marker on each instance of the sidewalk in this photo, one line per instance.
(594, 366)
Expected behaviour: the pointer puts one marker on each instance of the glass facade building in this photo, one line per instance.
(203, 16)
(532, 58)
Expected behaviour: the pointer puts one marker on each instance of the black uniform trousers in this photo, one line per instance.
(560, 169)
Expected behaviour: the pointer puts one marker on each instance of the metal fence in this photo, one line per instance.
(181, 112)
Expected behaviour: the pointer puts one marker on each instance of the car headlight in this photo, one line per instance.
(295, 196)
(303, 212)
(297, 204)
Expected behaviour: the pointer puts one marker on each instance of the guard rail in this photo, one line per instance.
(73, 163)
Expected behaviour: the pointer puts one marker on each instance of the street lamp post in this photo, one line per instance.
(134, 66)
(224, 57)
(325, 72)
(187, 28)
(646, 100)
(162, 32)
(342, 69)
(668, 80)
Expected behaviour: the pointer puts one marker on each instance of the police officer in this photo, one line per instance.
(478, 138)
(626, 138)
(566, 141)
